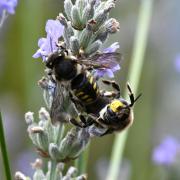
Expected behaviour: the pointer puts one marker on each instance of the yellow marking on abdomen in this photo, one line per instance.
(89, 100)
(91, 80)
(79, 93)
(94, 86)
(84, 97)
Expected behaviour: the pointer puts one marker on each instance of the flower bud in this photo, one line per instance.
(68, 32)
(80, 143)
(88, 13)
(67, 141)
(76, 20)
(81, 4)
(29, 117)
(112, 25)
(86, 36)
(20, 176)
(44, 114)
(82, 177)
(54, 152)
(72, 171)
(37, 164)
(60, 167)
(62, 19)
(39, 175)
(43, 141)
(93, 48)
(68, 7)
(99, 18)
(48, 90)
(74, 45)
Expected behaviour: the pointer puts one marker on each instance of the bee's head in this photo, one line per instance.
(120, 109)
(54, 59)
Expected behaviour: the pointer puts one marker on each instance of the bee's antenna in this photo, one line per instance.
(131, 95)
(138, 97)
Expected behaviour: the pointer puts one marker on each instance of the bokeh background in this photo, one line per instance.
(157, 113)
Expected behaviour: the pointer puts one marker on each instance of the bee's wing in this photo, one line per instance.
(60, 104)
(102, 60)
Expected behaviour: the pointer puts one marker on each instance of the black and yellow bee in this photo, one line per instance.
(114, 115)
(74, 80)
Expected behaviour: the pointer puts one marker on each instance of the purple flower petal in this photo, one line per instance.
(112, 48)
(54, 29)
(47, 45)
(111, 61)
(109, 72)
(8, 5)
(177, 63)
(166, 152)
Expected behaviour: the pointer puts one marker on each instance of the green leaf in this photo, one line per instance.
(4, 151)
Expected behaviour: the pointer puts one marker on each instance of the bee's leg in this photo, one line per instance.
(86, 122)
(75, 122)
(97, 130)
(77, 104)
(114, 85)
(109, 131)
(102, 122)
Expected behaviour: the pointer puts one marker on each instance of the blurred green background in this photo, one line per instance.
(156, 114)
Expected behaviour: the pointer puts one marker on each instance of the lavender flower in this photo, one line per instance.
(112, 48)
(177, 63)
(165, 153)
(8, 5)
(54, 30)
(84, 30)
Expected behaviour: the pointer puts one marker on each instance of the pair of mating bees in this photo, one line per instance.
(106, 112)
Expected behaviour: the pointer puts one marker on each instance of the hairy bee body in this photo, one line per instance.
(116, 119)
(111, 115)
(106, 112)
(86, 90)
(72, 75)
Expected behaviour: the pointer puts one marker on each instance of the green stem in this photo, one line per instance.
(82, 161)
(53, 170)
(4, 151)
(133, 78)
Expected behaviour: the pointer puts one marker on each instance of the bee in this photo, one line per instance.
(115, 116)
(74, 80)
